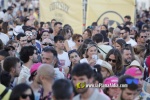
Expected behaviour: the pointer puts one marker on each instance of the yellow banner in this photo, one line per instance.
(65, 11)
(115, 10)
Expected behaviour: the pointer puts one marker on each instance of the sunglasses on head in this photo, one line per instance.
(130, 81)
(143, 36)
(114, 61)
(45, 44)
(80, 40)
(24, 96)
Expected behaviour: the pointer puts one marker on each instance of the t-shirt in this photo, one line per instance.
(71, 43)
(4, 38)
(84, 60)
(132, 42)
(64, 59)
(95, 96)
(7, 95)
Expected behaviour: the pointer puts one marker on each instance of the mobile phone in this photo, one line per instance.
(95, 57)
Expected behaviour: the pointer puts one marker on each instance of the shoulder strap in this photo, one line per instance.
(4, 93)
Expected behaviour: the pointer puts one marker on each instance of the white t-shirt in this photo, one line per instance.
(71, 43)
(64, 59)
(4, 38)
(132, 42)
(84, 60)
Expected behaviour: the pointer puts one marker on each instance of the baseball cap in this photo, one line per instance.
(105, 65)
(111, 80)
(33, 70)
(133, 71)
(135, 63)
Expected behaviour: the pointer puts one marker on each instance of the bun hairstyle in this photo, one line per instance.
(139, 48)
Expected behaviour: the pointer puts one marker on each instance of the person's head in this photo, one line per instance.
(49, 56)
(33, 71)
(5, 27)
(3, 54)
(91, 50)
(127, 55)
(59, 87)
(45, 34)
(46, 42)
(27, 21)
(111, 91)
(12, 65)
(5, 78)
(53, 21)
(137, 74)
(106, 69)
(57, 27)
(104, 28)
(66, 33)
(59, 42)
(120, 44)
(45, 74)
(73, 56)
(28, 54)
(127, 18)
(106, 21)
(98, 78)
(114, 58)
(87, 34)
(82, 76)
(1, 45)
(143, 37)
(29, 34)
(22, 92)
(78, 39)
(98, 38)
(34, 33)
(129, 92)
(13, 43)
(116, 32)
(22, 39)
(95, 30)
(140, 50)
(124, 33)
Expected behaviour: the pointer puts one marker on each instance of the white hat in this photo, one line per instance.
(18, 29)
(135, 63)
(105, 65)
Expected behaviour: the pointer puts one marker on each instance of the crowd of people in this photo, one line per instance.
(47, 60)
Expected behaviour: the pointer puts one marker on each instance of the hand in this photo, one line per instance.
(92, 62)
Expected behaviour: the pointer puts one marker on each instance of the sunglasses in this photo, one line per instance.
(114, 61)
(80, 40)
(143, 36)
(45, 44)
(130, 81)
(24, 96)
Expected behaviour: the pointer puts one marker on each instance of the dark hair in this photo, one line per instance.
(58, 38)
(129, 47)
(72, 51)
(59, 87)
(142, 31)
(97, 73)
(57, 23)
(126, 29)
(122, 80)
(20, 35)
(78, 70)
(65, 30)
(26, 52)
(139, 48)
(5, 78)
(94, 24)
(5, 27)
(147, 48)
(4, 52)
(118, 58)
(127, 16)
(98, 38)
(121, 42)
(1, 44)
(104, 33)
(18, 91)
(10, 62)
(76, 36)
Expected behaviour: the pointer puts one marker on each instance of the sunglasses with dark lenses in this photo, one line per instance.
(24, 96)
(47, 44)
(130, 81)
(80, 40)
(114, 61)
(143, 36)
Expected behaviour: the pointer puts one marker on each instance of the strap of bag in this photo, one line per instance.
(3, 93)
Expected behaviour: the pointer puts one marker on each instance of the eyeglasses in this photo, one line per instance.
(130, 81)
(80, 40)
(28, 34)
(143, 36)
(45, 44)
(24, 96)
(114, 61)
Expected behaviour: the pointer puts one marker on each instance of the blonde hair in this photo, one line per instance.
(139, 48)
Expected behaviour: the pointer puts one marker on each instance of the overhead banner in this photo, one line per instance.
(66, 11)
(115, 10)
